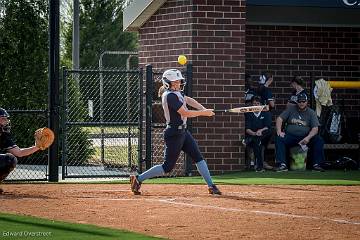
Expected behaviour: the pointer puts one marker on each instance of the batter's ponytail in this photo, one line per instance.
(161, 91)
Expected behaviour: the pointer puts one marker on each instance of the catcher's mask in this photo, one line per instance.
(172, 75)
(4, 121)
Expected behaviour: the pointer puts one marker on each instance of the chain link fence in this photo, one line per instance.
(101, 122)
(23, 125)
(101, 132)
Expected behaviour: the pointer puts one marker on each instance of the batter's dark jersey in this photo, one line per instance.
(177, 140)
(172, 101)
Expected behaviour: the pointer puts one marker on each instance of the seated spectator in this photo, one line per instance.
(258, 133)
(301, 128)
(264, 91)
(297, 84)
(250, 89)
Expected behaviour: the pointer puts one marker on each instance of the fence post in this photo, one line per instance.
(148, 117)
(141, 114)
(63, 123)
(54, 88)
(189, 75)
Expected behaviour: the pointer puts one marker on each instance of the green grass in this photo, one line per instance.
(274, 178)
(25, 227)
(117, 154)
(338, 177)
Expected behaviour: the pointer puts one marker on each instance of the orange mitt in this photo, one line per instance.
(44, 137)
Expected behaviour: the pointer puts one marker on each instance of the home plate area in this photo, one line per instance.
(189, 212)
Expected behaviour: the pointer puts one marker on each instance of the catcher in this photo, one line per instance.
(44, 137)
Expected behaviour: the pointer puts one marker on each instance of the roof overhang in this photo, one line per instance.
(302, 16)
(138, 12)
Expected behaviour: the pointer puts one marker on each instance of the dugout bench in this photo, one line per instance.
(329, 149)
(353, 147)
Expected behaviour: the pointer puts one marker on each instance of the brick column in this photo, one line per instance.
(218, 56)
(212, 35)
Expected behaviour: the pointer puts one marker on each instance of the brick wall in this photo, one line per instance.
(212, 35)
(218, 55)
(331, 53)
(166, 35)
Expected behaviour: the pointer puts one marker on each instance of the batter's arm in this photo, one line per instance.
(193, 103)
(195, 113)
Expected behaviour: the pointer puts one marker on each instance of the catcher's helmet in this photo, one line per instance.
(172, 75)
(5, 127)
(3, 113)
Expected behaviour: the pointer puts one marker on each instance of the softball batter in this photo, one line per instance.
(176, 136)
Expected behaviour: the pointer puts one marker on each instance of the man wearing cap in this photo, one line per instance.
(301, 128)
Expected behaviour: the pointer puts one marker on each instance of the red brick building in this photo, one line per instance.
(223, 39)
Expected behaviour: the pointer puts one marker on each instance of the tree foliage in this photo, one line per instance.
(23, 54)
(101, 29)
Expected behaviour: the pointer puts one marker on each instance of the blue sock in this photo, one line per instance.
(155, 171)
(204, 171)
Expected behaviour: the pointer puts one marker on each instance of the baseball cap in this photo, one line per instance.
(302, 97)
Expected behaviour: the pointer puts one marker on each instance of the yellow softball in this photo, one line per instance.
(182, 59)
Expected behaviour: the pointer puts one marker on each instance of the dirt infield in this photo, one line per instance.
(188, 212)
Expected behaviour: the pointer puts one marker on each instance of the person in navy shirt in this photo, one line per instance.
(258, 133)
(297, 84)
(265, 93)
(177, 138)
(265, 80)
(250, 89)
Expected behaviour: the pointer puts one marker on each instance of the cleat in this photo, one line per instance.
(135, 185)
(282, 168)
(214, 190)
(267, 166)
(317, 168)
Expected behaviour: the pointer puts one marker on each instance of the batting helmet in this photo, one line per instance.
(4, 127)
(172, 75)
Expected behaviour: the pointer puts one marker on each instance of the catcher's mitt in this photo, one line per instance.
(44, 137)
